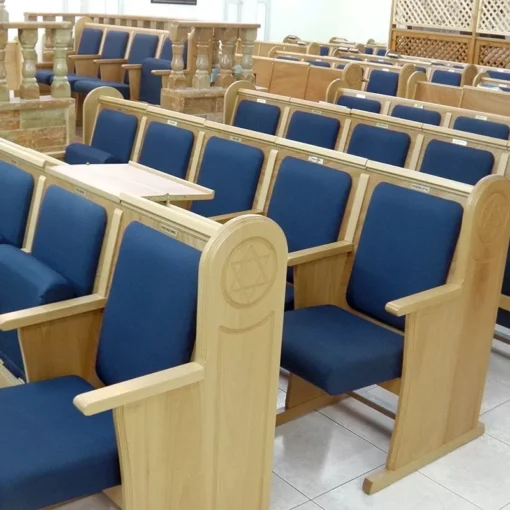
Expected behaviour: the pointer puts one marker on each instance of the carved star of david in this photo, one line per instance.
(493, 220)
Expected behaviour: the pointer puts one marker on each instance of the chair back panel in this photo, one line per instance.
(313, 129)
(256, 116)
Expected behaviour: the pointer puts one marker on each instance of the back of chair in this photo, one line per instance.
(69, 236)
(313, 129)
(167, 51)
(383, 82)
(90, 41)
(153, 331)
(499, 75)
(257, 116)
(446, 78)
(318, 63)
(406, 246)
(115, 44)
(232, 170)
(115, 133)
(359, 103)
(143, 46)
(417, 114)
(456, 162)
(167, 148)
(381, 52)
(16, 189)
(151, 85)
(482, 127)
(379, 144)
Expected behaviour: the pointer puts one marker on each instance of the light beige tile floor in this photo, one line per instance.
(321, 459)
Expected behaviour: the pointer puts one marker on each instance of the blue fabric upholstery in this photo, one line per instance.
(52, 452)
(406, 246)
(369, 51)
(232, 170)
(338, 351)
(143, 46)
(115, 133)
(446, 78)
(421, 69)
(341, 66)
(16, 188)
(417, 114)
(115, 44)
(289, 297)
(90, 41)
(381, 52)
(383, 82)
(44, 76)
(456, 162)
(482, 127)
(150, 85)
(281, 57)
(85, 86)
(380, 144)
(167, 148)
(259, 117)
(324, 52)
(313, 129)
(81, 154)
(317, 63)
(499, 75)
(167, 51)
(144, 332)
(360, 103)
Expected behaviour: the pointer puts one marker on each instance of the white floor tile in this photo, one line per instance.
(364, 421)
(315, 455)
(382, 397)
(283, 496)
(479, 471)
(495, 394)
(415, 492)
(280, 403)
(497, 423)
(284, 379)
(499, 368)
(308, 506)
(97, 502)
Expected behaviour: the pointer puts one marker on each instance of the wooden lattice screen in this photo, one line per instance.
(494, 17)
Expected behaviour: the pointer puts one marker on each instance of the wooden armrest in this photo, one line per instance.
(425, 299)
(52, 312)
(161, 72)
(141, 388)
(44, 65)
(56, 154)
(223, 218)
(319, 252)
(110, 61)
(84, 57)
(129, 67)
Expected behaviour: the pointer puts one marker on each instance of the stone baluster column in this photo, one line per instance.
(202, 78)
(49, 41)
(60, 86)
(4, 89)
(248, 36)
(228, 37)
(72, 20)
(216, 48)
(178, 36)
(29, 88)
(4, 15)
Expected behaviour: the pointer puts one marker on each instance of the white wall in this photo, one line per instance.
(205, 10)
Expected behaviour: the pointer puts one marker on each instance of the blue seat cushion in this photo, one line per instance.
(379, 144)
(446, 78)
(360, 103)
(289, 297)
(167, 148)
(81, 154)
(232, 170)
(44, 76)
(406, 246)
(499, 75)
(313, 129)
(482, 127)
(259, 117)
(150, 85)
(85, 86)
(51, 452)
(318, 63)
(456, 162)
(416, 114)
(383, 82)
(338, 351)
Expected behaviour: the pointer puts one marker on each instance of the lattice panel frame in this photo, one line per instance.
(441, 14)
(441, 49)
(492, 55)
(494, 17)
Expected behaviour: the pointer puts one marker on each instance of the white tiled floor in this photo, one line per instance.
(321, 459)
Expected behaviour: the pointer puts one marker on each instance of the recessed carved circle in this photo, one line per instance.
(493, 219)
(249, 272)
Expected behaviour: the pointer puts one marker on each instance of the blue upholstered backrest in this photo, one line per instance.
(232, 170)
(115, 133)
(150, 85)
(360, 103)
(406, 246)
(16, 188)
(143, 46)
(150, 318)
(259, 117)
(482, 127)
(281, 57)
(167, 52)
(383, 82)
(381, 52)
(317, 63)
(456, 162)
(313, 129)
(308, 202)
(369, 51)
(115, 44)
(167, 148)
(324, 51)
(417, 114)
(341, 66)
(90, 41)
(499, 75)
(379, 144)
(446, 78)
(69, 236)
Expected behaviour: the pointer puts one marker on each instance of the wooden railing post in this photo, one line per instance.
(178, 36)
(248, 36)
(29, 88)
(4, 89)
(228, 37)
(60, 86)
(4, 15)
(202, 78)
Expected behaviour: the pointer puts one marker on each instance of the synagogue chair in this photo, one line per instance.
(482, 127)
(451, 77)
(257, 116)
(359, 103)
(412, 113)
(313, 129)
(383, 82)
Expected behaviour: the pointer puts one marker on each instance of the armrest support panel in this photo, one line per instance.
(319, 252)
